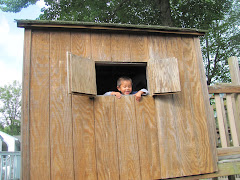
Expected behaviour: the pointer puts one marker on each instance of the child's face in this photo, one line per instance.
(125, 87)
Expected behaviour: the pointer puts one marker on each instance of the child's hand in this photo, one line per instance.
(138, 95)
(117, 94)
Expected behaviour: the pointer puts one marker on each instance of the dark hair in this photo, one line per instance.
(119, 81)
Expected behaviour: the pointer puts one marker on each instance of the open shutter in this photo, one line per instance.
(163, 76)
(81, 75)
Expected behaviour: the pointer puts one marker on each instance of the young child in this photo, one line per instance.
(124, 85)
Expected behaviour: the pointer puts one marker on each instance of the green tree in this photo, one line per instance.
(15, 5)
(10, 108)
(221, 42)
(186, 13)
(180, 13)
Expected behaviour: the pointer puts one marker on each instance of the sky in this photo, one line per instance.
(11, 43)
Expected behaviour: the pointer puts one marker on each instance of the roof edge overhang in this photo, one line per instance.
(31, 24)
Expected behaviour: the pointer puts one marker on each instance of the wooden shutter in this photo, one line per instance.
(81, 75)
(163, 76)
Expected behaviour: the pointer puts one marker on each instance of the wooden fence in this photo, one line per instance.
(225, 102)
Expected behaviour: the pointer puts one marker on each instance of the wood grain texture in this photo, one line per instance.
(182, 118)
(200, 109)
(83, 75)
(120, 48)
(39, 107)
(84, 147)
(235, 77)
(183, 112)
(231, 109)
(139, 48)
(128, 151)
(178, 117)
(210, 120)
(101, 46)
(159, 59)
(170, 159)
(207, 161)
(106, 138)
(25, 121)
(148, 138)
(224, 88)
(186, 132)
(174, 49)
(165, 76)
(222, 121)
(157, 47)
(83, 118)
(228, 151)
(81, 44)
(121, 142)
(60, 109)
(234, 70)
(189, 64)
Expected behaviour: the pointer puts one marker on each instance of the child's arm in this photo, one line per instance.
(140, 93)
(112, 93)
(145, 92)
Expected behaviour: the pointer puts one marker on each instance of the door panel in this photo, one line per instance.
(163, 76)
(81, 75)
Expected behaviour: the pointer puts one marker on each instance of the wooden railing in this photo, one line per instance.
(225, 100)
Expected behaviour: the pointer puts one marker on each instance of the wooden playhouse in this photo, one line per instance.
(71, 131)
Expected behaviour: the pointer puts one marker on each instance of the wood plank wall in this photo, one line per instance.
(61, 128)
(73, 137)
(40, 147)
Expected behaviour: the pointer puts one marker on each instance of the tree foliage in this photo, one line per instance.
(186, 13)
(15, 5)
(10, 108)
(115, 11)
(180, 13)
(222, 42)
(198, 14)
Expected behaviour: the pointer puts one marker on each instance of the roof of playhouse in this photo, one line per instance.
(108, 26)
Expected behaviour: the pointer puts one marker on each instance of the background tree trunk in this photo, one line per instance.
(165, 12)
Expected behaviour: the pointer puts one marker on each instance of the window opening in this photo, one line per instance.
(107, 75)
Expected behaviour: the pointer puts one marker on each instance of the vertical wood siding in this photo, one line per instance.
(147, 132)
(106, 138)
(210, 120)
(40, 107)
(61, 127)
(101, 46)
(83, 138)
(128, 151)
(120, 48)
(83, 119)
(25, 121)
(138, 48)
(187, 141)
(74, 137)
(169, 149)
